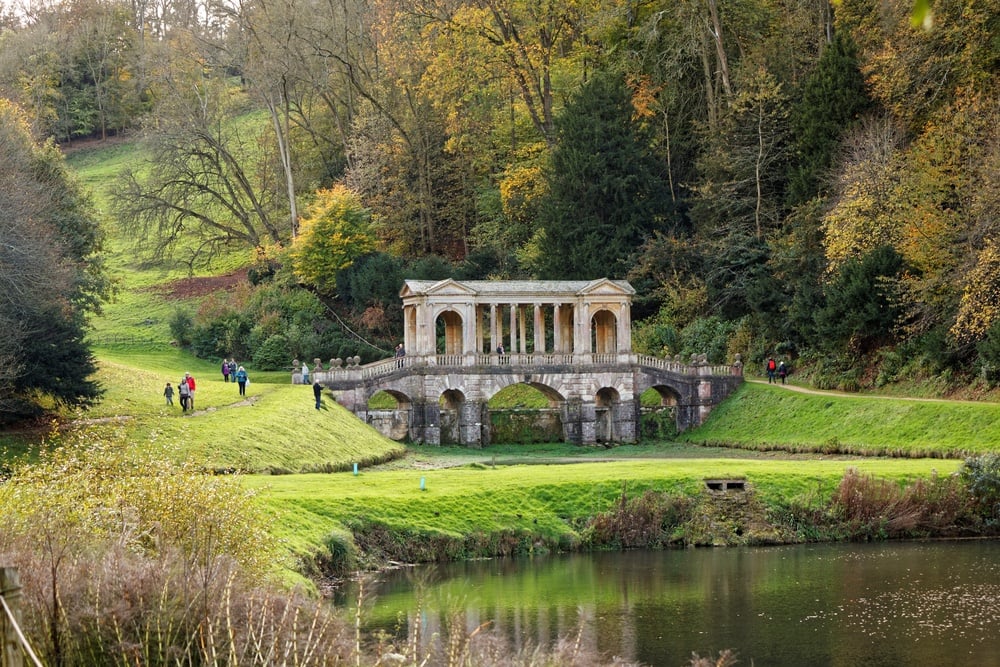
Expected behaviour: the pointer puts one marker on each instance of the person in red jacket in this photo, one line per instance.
(190, 381)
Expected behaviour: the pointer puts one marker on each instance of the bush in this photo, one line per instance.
(181, 325)
(648, 521)
(871, 508)
(981, 475)
(707, 335)
(273, 355)
(989, 355)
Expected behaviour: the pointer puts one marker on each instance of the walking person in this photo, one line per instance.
(184, 392)
(168, 393)
(400, 353)
(318, 393)
(782, 371)
(190, 383)
(771, 370)
(225, 370)
(242, 379)
(305, 373)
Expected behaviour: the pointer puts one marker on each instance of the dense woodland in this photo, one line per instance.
(773, 176)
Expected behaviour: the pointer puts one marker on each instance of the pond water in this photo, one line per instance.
(912, 603)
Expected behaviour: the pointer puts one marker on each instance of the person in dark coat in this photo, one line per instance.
(318, 393)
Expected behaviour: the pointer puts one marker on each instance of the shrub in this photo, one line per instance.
(707, 335)
(273, 355)
(871, 508)
(181, 325)
(644, 522)
(128, 558)
(981, 475)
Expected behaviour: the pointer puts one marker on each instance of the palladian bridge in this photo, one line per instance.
(465, 341)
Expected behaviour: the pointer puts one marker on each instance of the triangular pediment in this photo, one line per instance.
(606, 286)
(449, 287)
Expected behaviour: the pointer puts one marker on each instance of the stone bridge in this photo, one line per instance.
(444, 398)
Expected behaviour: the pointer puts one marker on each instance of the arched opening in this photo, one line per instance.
(389, 414)
(448, 328)
(658, 413)
(451, 403)
(525, 413)
(604, 332)
(605, 402)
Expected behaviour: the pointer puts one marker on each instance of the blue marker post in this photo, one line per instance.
(423, 487)
(355, 469)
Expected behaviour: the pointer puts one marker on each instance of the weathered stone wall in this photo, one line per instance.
(596, 403)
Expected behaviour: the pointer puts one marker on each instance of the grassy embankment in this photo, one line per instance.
(277, 429)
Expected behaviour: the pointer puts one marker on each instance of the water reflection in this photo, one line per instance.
(885, 604)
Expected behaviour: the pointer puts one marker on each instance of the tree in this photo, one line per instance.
(739, 204)
(50, 275)
(830, 100)
(862, 310)
(209, 180)
(335, 232)
(606, 194)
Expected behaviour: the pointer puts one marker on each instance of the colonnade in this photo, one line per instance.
(524, 317)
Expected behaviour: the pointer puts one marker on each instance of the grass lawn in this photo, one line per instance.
(762, 416)
(542, 498)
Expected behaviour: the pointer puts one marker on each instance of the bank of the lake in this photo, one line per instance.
(342, 520)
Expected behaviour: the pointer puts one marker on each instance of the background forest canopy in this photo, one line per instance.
(775, 177)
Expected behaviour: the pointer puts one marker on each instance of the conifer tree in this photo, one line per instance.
(606, 190)
(830, 100)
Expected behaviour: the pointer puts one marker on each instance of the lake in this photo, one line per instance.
(898, 603)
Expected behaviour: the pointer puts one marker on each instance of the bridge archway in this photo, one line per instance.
(525, 412)
(606, 401)
(604, 332)
(451, 403)
(390, 412)
(658, 412)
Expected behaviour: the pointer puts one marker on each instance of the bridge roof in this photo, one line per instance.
(506, 288)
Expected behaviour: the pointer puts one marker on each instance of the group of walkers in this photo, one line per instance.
(185, 392)
(231, 371)
(775, 370)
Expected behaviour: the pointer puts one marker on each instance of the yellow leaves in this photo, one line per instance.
(520, 190)
(335, 231)
(856, 226)
(980, 304)
(93, 487)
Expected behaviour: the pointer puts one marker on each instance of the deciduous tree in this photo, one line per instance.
(335, 232)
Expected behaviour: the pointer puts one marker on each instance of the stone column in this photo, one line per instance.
(624, 330)
(513, 329)
(470, 328)
(426, 340)
(522, 329)
(557, 344)
(539, 330)
(480, 328)
(494, 328)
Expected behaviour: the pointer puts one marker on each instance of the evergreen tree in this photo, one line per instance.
(50, 275)
(830, 100)
(606, 191)
(862, 308)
